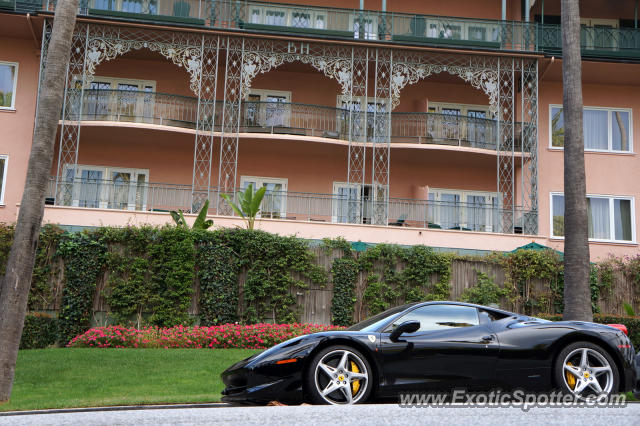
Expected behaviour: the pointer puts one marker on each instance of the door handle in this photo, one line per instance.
(487, 338)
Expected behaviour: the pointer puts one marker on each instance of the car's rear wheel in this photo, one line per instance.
(338, 375)
(585, 370)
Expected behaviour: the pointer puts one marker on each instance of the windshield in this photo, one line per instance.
(373, 323)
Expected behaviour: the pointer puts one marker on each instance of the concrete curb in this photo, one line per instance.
(114, 408)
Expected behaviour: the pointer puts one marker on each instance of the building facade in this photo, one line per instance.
(403, 122)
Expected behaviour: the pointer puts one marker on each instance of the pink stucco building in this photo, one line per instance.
(407, 122)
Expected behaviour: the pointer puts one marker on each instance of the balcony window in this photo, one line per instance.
(356, 203)
(605, 129)
(365, 27)
(128, 6)
(267, 108)
(463, 210)
(460, 122)
(351, 117)
(3, 176)
(8, 84)
(104, 187)
(288, 17)
(119, 99)
(274, 203)
(610, 218)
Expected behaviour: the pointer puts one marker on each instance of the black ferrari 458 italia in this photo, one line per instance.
(431, 346)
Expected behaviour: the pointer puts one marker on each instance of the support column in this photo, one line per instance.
(505, 145)
(357, 131)
(72, 116)
(232, 103)
(529, 137)
(205, 123)
(381, 137)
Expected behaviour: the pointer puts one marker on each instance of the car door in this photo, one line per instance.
(452, 348)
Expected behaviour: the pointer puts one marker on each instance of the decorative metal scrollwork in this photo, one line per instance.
(105, 49)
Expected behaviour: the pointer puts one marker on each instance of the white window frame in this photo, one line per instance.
(260, 181)
(610, 111)
(264, 95)
(288, 15)
(372, 33)
(12, 107)
(119, 6)
(463, 194)
(362, 101)
(114, 82)
(366, 211)
(612, 223)
(464, 108)
(4, 177)
(104, 198)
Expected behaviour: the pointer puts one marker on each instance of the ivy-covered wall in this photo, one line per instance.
(168, 276)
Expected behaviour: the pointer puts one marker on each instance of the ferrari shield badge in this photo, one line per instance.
(372, 338)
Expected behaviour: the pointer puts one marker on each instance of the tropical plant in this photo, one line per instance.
(15, 284)
(201, 221)
(628, 309)
(249, 204)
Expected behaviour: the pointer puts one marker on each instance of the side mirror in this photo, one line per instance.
(405, 327)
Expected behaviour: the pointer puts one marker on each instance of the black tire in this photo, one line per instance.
(311, 390)
(559, 373)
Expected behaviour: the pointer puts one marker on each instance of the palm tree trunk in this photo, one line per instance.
(624, 142)
(14, 286)
(577, 295)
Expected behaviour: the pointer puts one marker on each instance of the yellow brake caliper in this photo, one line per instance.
(355, 384)
(571, 379)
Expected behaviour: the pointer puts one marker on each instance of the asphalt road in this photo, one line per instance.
(352, 416)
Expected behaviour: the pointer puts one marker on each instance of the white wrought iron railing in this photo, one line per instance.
(293, 119)
(314, 207)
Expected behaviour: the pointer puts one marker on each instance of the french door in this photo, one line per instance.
(105, 187)
(357, 203)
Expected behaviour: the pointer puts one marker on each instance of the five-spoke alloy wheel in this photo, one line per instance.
(339, 375)
(586, 371)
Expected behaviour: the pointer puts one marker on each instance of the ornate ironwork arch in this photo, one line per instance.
(183, 51)
(481, 73)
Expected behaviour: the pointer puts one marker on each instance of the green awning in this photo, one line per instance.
(536, 246)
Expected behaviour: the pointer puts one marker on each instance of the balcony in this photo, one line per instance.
(601, 42)
(296, 206)
(294, 119)
(323, 22)
(21, 6)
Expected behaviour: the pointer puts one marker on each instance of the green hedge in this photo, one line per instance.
(152, 276)
(40, 331)
(632, 324)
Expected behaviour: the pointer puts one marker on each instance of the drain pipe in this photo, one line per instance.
(504, 10)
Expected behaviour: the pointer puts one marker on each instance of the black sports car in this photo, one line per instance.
(437, 346)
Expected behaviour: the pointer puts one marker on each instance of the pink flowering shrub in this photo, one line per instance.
(255, 336)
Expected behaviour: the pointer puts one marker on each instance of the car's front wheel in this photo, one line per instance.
(338, 375)
(586, 370)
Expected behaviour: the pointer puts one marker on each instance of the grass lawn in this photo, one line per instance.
(57, 378)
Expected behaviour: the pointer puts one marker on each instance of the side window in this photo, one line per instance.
(8, 83)
(440, 317)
